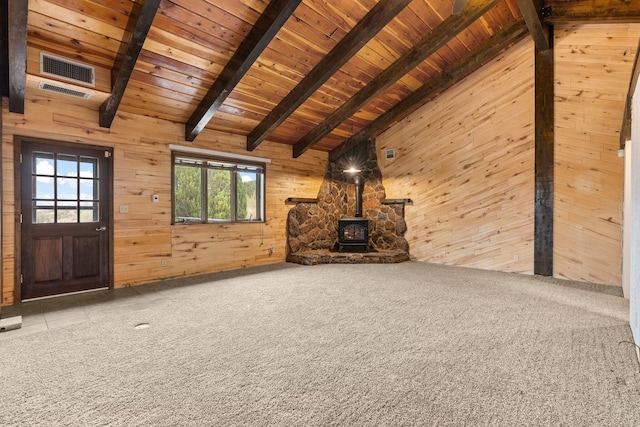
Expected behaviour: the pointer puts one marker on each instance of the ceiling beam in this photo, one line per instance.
(625, 133)
(377, 18)
(439, 37)
(594, 11)
(17, 14)
(436, 86)
(531, 12)
(269, 23)
(140, 20)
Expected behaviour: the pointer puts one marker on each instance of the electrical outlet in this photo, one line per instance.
(163, 263)
(124, 209)
(516, 258)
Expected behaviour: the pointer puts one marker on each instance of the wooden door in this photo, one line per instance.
(65, 192)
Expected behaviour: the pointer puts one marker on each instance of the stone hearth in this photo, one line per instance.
(324, 256)
(312, 225)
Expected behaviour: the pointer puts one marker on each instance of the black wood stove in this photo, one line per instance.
(353, 234)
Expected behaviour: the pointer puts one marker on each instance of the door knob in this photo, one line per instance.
(103, 228)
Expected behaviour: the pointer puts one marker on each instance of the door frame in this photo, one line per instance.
(17, 150)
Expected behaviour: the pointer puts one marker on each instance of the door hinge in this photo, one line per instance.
(20, 218)
(21, 279)
(107, 154)
(20, 158)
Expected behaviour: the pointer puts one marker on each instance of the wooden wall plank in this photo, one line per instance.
(593, 68)
(466, 160)
(142, 162)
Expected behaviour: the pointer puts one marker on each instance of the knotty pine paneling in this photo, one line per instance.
(593, 69)
(143, 237)
(467, 161)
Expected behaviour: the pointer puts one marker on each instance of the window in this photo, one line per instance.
(65, 188)
(212, 190)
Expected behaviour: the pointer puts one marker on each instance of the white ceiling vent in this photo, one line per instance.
(64, 91)
(66, 69)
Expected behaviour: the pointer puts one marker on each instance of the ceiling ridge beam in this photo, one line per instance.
(577, 11)
(269, 23)
(426, 47)
(17, 17)
(373, 22)
(451, 75)
(140, 20)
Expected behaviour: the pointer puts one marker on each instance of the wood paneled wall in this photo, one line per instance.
(593, 69)
(143, 237)
(467, 161)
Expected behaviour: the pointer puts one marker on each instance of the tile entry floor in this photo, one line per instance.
(45, 314)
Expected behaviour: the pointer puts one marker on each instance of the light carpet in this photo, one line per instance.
(337, 345)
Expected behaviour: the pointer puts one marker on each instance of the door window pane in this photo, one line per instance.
(43, 164)
(88, 167)
(88, 189)
(67, 165)
(67, 188)
(43, 212)
(43, 188)
(67, 212)
(89, 212)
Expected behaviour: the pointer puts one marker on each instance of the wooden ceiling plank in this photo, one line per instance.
(416, 55)
(380, 15)
(267, 26)
(111, 13)
(623, 11)
(17, 13)
(138, 27)
(531, 11)
(452, 74)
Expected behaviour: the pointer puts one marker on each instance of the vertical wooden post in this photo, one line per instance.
(544, 142)
(17, 11)
(4, 49)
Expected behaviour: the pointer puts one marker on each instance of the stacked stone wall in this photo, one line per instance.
(314, 226)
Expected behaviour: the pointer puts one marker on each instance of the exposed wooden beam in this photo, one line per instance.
(594, 11)
(379, 16)
(17, 54)
(544, 149)
(531, 12)
(4, 49)
(625, 133)
(265, 29)
(436, 86)
(412, 58)
(140, 20)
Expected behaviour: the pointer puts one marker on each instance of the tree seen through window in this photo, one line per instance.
(230, 192)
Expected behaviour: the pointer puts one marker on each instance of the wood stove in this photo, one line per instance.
(353, 234)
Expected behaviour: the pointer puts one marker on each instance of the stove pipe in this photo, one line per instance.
(359, 186)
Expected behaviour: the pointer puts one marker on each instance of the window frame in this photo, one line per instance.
(235, 165)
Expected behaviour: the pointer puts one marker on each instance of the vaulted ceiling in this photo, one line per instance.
(319, 74)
